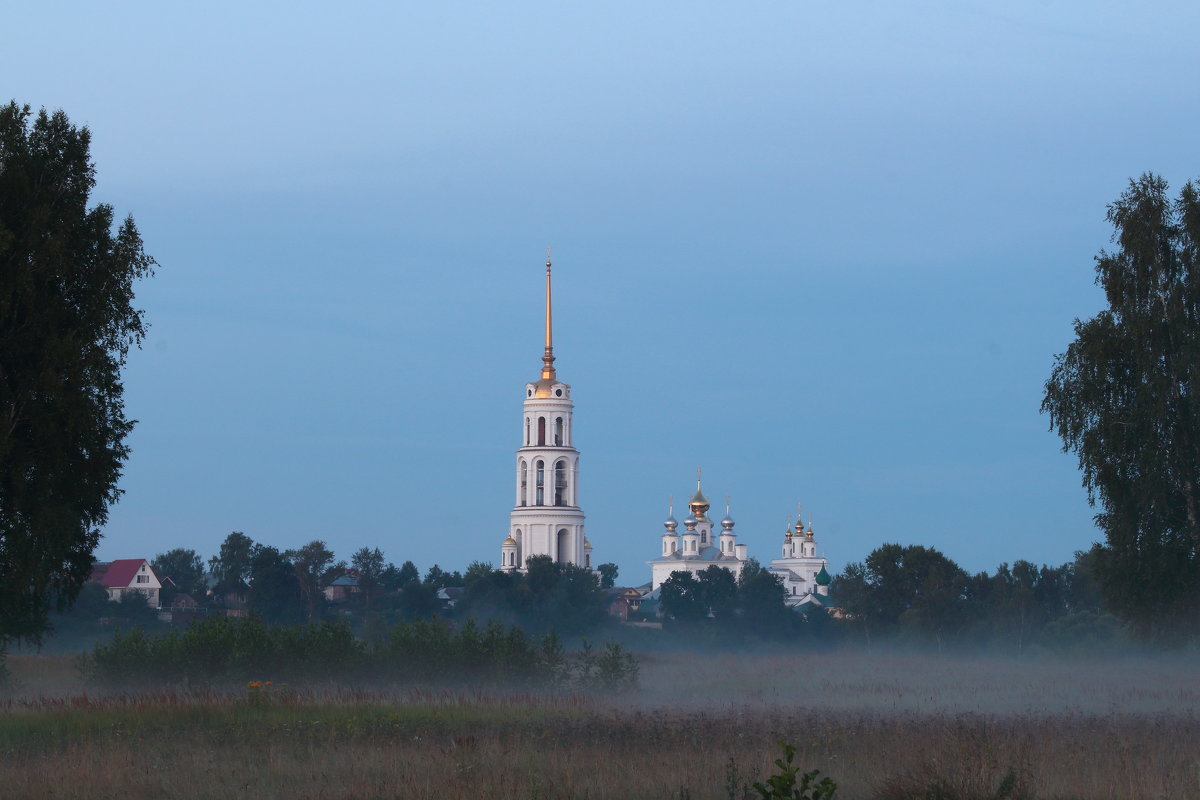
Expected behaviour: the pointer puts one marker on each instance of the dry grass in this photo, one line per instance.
(881, 727)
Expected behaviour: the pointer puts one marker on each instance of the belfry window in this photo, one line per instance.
(541, 431)
(526, 430)
(541, 483)
(558, 432)
(560, 483)
(524, 483)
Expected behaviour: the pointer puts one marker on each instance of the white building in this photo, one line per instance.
(799, 567)
(546, 518)
(697, 548)
(127, 575)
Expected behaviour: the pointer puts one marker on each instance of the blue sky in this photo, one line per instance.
(826, 251)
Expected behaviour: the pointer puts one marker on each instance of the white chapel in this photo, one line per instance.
(546, 518)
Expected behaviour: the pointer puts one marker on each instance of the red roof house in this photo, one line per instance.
(127, 575)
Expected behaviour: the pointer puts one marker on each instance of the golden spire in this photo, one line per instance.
(548, 356)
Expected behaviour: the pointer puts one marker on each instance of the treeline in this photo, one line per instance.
(222, 649)
(916, 594)
(287, 586)
(715, 607)
(310, 585)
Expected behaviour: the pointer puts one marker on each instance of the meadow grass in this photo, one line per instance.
(883, 727)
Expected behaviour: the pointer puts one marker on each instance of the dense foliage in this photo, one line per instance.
(915, 594)
(222, 649)
(67, 323)
(715, 605)
(1121, 398)
(548, 596)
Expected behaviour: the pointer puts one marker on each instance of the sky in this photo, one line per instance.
(825, 251)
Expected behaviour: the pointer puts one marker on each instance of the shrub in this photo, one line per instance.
(783, 786)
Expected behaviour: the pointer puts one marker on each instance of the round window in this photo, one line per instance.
(529, 393)
(558, 392)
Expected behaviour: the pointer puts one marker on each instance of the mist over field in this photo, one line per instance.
(701, 725)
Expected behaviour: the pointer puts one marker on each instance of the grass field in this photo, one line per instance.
(881, 726)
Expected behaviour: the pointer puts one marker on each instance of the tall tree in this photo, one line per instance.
(67, 323)
(185, 568)
(315, 568)
(1121, 398)
(274, 590)
(608, 575)
(230, 567)
(408, 573)
(911, 589)
(369, 563)
(681, 598)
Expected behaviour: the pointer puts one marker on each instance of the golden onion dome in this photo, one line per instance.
(509, 541)
(586, 543)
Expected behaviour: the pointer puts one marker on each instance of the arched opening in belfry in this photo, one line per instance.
(524, 483)
(563, 546)
(560, 483)
(540, 484)
(541, 431)
(526, 431)
(558, 432)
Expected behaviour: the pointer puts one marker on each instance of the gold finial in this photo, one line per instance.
(548, 356)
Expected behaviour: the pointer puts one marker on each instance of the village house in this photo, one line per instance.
(127, 575)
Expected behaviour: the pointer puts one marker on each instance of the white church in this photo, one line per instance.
(546, 518)
(801, 571)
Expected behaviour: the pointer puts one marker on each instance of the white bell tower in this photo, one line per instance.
(546, 518)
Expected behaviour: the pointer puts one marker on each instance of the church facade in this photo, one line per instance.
(799, 569)
(546, 518)
(697, 548)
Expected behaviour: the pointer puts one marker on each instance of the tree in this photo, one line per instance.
(408, 573)
(680, 597)
(608, 575)
(67, 323)
(230, 567)
(369, 563)
(718, 591)
(762, 601)
(1121, 399)
(185, 568)
(315, 568)
(274, 590)
(911, 589)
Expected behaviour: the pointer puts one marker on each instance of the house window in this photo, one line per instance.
(143, 578)
(541, 480)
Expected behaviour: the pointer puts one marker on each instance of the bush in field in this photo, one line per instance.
(613, 670)
(225, 648)
(243, 649)
(784, 786)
